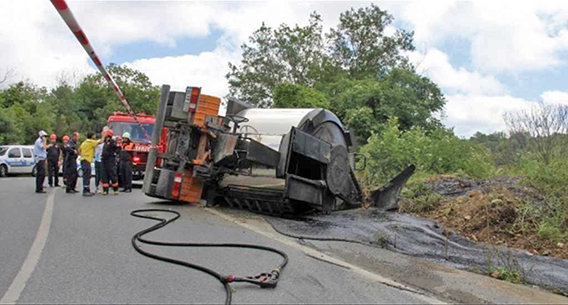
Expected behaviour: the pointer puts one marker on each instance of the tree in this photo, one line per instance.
(7, 74)
(286, 54)
(26, 108)
(24, 113)
(360, 46)
(288, 95)
(365, 105)
(357, 49)
(547, 126)
(21, 92)
(7, 129)
(94, 100)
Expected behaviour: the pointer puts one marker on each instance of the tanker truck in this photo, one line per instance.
(271, 161)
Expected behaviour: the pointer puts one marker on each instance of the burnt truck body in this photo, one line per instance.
(273, 161)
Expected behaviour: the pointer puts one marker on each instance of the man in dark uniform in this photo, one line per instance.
(125, 162)
(65, 140)
(53, 160)
(71, 153)
(110, 152)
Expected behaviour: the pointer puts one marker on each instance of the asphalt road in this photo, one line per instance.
(88, 258)
(65, 248)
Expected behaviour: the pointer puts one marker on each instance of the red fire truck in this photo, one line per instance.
(122, 122)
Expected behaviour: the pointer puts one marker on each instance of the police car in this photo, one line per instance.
(80, 170)
(16, 159)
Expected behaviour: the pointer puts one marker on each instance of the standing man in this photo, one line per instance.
(65, 140)
(40, 153)
(87, 152)
(71, 163)
(53, 160)
(125, 162)
(98, 163)
(110, 151)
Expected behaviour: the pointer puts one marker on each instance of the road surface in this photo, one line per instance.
(65, 248)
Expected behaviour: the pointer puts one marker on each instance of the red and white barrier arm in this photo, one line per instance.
(65, 12)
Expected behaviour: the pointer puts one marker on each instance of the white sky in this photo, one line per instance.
(504, 42)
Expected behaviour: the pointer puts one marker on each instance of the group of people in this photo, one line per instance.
(109, 155)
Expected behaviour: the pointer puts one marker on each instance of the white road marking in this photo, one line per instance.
(19, 283)
(268, 232)
(16, 178)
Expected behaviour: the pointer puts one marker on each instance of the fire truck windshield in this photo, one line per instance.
(136, 133)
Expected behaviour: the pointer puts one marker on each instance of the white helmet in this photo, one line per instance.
(42, 133)
(126, 135)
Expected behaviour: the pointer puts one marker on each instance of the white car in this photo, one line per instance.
(80, 170)
(16, 159)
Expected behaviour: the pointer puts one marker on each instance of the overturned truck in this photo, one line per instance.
(272, 161)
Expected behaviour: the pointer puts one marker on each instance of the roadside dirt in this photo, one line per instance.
(491, 211)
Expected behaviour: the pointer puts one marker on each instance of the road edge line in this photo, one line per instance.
(324, 257)
(19, 283)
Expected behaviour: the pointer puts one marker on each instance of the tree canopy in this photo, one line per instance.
(357, 70)
(26, 108)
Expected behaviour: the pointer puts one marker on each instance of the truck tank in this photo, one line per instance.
(273, 161)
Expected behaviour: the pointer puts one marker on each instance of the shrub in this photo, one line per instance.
(550, 180)
(419, 198)
(437, 152)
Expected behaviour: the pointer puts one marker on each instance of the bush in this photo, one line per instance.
(418, 198)
(438, 152)
(550, 180)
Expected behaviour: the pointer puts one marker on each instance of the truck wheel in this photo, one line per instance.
(3, 170)
(34, 171)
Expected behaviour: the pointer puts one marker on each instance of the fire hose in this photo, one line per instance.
(263, 280)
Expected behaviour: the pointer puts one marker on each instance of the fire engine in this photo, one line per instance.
(123, 122)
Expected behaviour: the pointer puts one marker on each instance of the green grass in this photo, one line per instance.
(507, 275)
(417, 197)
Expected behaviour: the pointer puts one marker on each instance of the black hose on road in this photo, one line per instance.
(264, 280)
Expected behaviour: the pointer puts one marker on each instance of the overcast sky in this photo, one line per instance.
(487, 56)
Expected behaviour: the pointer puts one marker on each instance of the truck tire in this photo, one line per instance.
(3, 170)
(34, 171)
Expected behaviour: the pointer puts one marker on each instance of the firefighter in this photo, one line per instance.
(54, 157)
(65, 140)
(108, 158)
(125, 162)
(71, 153)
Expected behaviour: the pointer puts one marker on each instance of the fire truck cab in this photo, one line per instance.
(122, 122)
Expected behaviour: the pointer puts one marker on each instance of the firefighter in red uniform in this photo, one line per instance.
(125, 162)
(108, 159)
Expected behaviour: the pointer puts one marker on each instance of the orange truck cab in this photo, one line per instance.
(122, 122)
